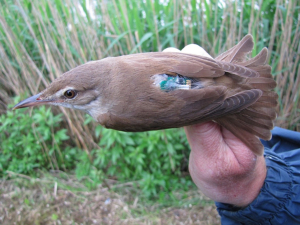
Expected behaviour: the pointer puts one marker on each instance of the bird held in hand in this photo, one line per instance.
(159, 90)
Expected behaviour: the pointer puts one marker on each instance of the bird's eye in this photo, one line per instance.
(70, 94)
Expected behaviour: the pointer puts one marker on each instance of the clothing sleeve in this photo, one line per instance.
(279, 199)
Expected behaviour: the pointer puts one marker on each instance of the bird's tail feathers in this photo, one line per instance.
(256, 121)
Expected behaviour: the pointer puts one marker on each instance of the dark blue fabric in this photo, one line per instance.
(279, 198)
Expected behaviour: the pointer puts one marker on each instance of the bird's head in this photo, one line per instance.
(79, 88)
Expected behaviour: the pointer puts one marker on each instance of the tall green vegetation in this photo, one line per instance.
(39, 40)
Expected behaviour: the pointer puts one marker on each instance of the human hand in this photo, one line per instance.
(220, 164)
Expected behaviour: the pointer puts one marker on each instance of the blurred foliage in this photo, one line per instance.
(41, 39)
(34, 142)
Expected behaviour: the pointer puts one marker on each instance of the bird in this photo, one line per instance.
(171, 89)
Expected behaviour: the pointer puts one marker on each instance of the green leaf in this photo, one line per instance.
(143, 39)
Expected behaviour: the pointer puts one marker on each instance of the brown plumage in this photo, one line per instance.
(127, 93)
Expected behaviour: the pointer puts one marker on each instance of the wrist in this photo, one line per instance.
(250, 188)
(237, 188)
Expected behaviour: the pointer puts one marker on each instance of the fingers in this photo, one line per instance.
(190, 49)
(196, 50)
(171, 49)
(204, 138)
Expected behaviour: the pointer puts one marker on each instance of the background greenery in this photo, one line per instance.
(41, 39)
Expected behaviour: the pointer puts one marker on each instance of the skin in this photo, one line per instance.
(222, 167)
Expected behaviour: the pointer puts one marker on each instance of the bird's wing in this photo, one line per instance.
(195, 66)
(172, 63)
(210, 103)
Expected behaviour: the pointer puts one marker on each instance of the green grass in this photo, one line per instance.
(39, 40)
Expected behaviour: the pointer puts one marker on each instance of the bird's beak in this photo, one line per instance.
(31, 101)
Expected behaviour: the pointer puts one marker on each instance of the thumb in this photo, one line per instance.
(205, 138)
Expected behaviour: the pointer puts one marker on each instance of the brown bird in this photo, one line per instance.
(160, 90)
